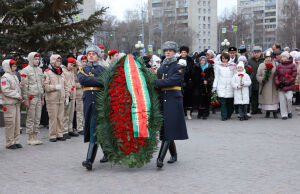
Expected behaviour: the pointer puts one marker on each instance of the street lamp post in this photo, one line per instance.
(139, 46)
(225, 43)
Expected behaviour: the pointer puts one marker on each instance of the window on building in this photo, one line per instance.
(204, 3)
(208, 18)
(208, 11)
(204, 41)
(208, 3)
(199, 10)
(204, 26)
(204, 11)
(204, 18)
(208, 26)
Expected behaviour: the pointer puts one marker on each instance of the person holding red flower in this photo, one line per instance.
(69, 76)
(56, 95)
(241, 82)
(12, 98)
(285, 79)
(202, 77)
(33, 94)
(268, 95)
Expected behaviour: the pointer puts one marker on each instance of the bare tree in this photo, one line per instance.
(287, 29)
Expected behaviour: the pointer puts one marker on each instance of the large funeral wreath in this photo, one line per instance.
(115, 122)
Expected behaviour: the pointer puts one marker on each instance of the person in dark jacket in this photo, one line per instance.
(202, 76)
(285, 79)
(254, 62)
(170, 79)
(187, 84)
(88, 78)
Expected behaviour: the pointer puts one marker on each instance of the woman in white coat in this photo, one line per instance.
(224, 72)
(240, 83)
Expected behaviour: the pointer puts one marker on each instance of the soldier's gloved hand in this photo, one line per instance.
(67, 101)
(26, 102)
(213, 90)
(58, 87)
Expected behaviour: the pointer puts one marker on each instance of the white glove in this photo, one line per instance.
(58, 87)
(182, 62)
(67, 101)
(213, 90)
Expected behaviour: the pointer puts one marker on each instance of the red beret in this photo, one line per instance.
(12, 62)
(101, 47)
(71, 60)
(83, 57)
(37, 55)
(112, 52)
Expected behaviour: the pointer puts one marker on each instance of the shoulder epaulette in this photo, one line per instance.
(80, 70)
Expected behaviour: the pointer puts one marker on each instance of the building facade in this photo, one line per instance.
(189, 22)
(263, 16)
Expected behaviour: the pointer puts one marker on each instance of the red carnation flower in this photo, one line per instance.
(24, 65)
(58, 71)
(269, 66)
(31, 97)
(241, 75)
(4, 108)
(211, 62)
(288, 76)
(203, 74)
(250, 69)
(297, 87)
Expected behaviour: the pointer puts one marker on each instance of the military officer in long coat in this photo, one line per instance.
(88, 78)
(170, 79)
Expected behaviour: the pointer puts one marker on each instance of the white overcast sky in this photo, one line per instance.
(118, 7)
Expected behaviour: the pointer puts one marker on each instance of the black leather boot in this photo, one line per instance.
(172, 149)
(91, 155)
(104, 159)
(162, 153)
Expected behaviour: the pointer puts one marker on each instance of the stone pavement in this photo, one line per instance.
(255, 156)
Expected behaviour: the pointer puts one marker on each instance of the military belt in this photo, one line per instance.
(91, 88)
(172, 88)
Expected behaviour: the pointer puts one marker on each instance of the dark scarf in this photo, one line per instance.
(56, 71)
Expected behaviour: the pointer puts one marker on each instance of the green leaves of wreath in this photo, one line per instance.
(114, 122)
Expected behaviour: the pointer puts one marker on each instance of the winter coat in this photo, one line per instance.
(282, 70)
(53, 79)
(241, 94)
(254, 63)
(298, 75)
(10, 85)
(188, 84)
(79, 90)
(69, 81)
(199, 89)
(33, 79)
(170, 74)
(223, 78)
(269, 93)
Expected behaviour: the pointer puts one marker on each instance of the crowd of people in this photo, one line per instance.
(51, 93)
(247, 83)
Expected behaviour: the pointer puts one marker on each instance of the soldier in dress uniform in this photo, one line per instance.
(170, 79)
(233, 55)
(88, 78)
